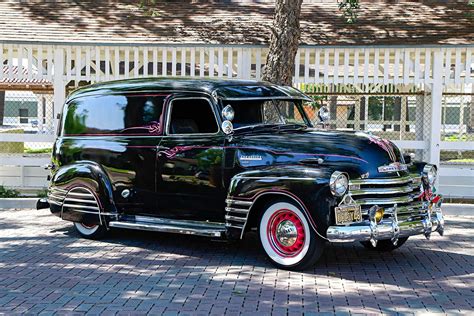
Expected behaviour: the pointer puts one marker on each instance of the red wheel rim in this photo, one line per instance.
(286, 234)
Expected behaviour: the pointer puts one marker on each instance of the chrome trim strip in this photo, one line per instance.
(79, 200)
(238, 202)
(167, 221)
(412, 209)
(57, 190)
(265, 98)
(270, 178)
(55, 202)
(94, 213)
(236, 210)
(399, 180)
(60, 198)
(396, 190)
(233, 226)
(82, 206)
(168, 228)
(235, 218)
(89, 195)
(386, 201)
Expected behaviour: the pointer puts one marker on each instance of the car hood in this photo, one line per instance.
(354, 152)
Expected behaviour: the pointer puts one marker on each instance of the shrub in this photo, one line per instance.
(8, 193)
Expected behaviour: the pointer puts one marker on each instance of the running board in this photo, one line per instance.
(186, 227)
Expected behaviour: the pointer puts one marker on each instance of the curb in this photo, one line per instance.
(458, 209)
(30, 203)
(18, 203)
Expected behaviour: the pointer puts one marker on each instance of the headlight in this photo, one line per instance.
(338, 183)
(430, 173)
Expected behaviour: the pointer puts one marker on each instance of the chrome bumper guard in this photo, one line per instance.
(390, 228)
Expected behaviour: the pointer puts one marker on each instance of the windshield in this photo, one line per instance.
(267, 112)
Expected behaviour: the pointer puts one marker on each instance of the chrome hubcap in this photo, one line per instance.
(287, 233)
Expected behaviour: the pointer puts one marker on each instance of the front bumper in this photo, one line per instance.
(392, 228)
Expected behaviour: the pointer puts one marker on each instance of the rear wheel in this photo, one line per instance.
(287, 238)
(90, 231)
(384, 245)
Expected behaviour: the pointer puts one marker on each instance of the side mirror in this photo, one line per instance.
(228, 113)
(227, 127)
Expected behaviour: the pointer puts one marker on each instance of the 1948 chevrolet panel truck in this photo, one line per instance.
(219, 158)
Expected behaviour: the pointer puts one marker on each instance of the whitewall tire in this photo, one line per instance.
(90, 231)
(287, 237)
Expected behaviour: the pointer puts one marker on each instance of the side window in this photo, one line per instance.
(192, 116)
(114, 115)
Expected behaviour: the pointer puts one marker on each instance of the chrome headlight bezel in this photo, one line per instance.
(430, 174)
(339, 183)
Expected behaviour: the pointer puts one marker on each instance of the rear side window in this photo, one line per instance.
(114, 115)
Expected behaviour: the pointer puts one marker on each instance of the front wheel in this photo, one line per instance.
(90, 231)
(287, 238)
(384, 245)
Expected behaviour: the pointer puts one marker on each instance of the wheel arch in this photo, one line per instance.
(305, 186)
(83, 174)
(264, 198)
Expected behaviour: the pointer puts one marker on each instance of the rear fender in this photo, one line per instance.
(82, 180)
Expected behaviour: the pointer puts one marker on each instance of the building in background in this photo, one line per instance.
(404, 71)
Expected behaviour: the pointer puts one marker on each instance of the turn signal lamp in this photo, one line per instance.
(379, 215)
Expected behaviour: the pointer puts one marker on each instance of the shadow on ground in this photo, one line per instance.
(45, 255)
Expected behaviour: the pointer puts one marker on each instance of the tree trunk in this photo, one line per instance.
(284, 42)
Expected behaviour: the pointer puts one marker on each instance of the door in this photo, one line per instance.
(189, 162)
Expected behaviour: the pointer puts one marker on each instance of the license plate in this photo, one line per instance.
(348, 214)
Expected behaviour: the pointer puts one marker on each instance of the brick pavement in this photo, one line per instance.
(46, 268)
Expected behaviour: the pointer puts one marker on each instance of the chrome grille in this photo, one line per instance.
(386, 192)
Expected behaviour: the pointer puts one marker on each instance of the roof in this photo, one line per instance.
(220, 88)
(379, 23)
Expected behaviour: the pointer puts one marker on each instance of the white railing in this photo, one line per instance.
(431, 68)
(325, 65)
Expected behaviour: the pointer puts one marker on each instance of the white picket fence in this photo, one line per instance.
(434, 69)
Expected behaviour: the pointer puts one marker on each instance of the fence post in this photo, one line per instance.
(59, 87)
(436, 98)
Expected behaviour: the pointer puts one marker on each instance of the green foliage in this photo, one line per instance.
(349, 9)
(147, 7)
(455, 138)
(38, 150)
(8, 193)
(42, 193)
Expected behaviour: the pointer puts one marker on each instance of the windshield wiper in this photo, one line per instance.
(258, 126)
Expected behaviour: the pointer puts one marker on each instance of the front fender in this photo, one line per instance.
(306, 186)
